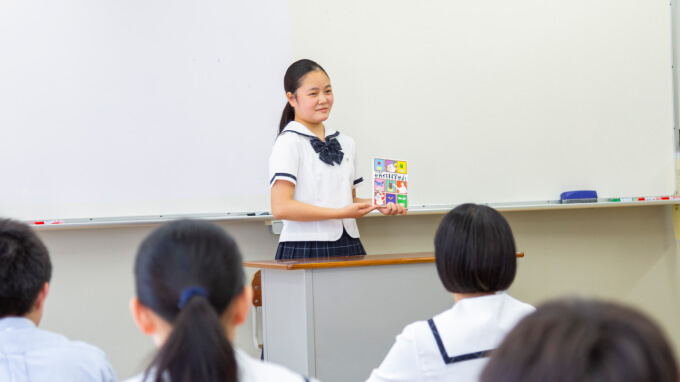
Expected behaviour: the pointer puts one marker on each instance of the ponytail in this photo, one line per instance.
(291, 82)
(287, 116)
(189, 272)
(197, 348)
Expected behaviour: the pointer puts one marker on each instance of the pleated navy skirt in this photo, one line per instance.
(345, 246)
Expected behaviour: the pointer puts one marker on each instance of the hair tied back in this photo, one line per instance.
(190, 292)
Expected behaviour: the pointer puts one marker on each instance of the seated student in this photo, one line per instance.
(576, 340)
(191, 296)
(475, 258)
(26, 352)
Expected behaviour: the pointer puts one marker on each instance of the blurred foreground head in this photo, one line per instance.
(578, 340)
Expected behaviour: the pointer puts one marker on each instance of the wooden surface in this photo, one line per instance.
(347, 261)
(256, 284)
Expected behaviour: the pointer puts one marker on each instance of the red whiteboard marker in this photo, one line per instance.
(48, 222)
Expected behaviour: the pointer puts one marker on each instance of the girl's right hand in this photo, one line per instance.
(356, 210)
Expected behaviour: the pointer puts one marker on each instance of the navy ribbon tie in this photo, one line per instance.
(329, 151)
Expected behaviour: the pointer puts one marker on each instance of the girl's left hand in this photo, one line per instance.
(392, 209)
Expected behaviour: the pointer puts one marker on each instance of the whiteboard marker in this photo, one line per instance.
(48, 222)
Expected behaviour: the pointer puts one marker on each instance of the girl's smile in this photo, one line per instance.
(313, 100)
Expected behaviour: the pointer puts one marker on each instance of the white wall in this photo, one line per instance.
(625, 253)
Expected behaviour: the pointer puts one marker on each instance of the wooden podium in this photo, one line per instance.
(335, 319)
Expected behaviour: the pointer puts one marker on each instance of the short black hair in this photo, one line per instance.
(474, 250)
(579, 340)
(24, 268)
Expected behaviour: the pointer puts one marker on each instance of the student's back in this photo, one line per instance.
(191, 297)
(475, 258)
(248, 370)
(29, 354)
(464, 335)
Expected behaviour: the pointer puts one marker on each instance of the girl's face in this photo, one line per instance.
(313, 100)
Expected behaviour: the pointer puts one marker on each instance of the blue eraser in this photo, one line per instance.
(580, 196)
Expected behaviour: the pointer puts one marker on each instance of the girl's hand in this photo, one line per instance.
(392, 209)
(357, 210)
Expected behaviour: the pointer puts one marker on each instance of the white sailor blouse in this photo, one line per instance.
(324, 174)
(453, 345)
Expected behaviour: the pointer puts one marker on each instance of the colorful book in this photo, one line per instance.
(390, 182)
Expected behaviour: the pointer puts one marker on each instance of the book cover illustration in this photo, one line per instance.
(390, 182)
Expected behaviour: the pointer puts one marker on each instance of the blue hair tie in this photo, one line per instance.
(190, 292)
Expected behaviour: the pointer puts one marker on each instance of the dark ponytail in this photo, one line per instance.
(291, 82)
(287, 116)
(188, 272)
(197, 348)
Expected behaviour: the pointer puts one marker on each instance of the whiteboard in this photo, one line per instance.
(128, 108)
(502, 101)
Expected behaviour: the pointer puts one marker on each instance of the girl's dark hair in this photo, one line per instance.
(576, 340)
(291, 82)
(178, 256)
(474, 250)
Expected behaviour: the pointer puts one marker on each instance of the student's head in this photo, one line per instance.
(25, 271)
(309, 93)
(191, 295)
(475, 251)
(576, 340)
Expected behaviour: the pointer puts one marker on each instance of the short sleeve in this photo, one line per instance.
(105, 369)
(401, 363)
(108, 375)
(358, 179)
(284, 162)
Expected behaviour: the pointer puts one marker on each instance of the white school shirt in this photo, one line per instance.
(472, 326)
(250, 370)
(293, 159)
(29, 354)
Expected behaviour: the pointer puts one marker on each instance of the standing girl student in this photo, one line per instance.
(313, 173)
(191, 296)
(475, 257)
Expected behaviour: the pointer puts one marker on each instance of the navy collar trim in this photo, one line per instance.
(459, 358)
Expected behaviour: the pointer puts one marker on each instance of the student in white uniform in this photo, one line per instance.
(313, 173)
(578, 340)
(475, 258)
(191, 296)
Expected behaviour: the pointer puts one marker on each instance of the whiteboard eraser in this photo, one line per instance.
(579, 196)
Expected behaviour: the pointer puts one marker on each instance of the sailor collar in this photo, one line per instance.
(300, 129)
(329, 151)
